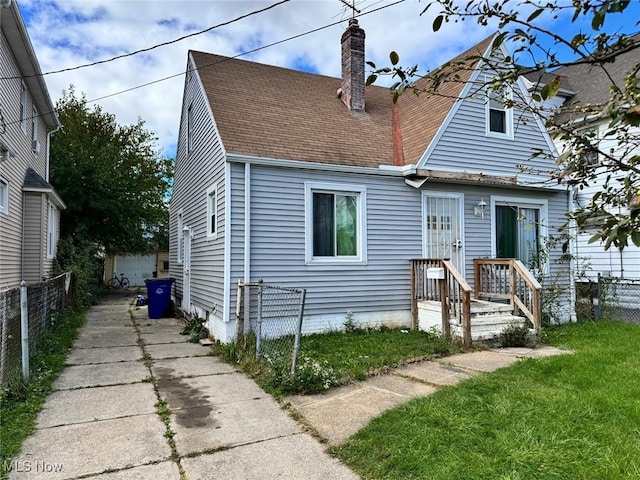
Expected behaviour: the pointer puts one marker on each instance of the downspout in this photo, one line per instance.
(247, 222)
(49, 133)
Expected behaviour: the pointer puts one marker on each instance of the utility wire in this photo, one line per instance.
(130, 54)
(248, 52)
(242, 54)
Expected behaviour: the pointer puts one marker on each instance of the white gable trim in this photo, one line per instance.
(195, 71)
(463, 95)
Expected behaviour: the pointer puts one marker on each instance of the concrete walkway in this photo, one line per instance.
(341, 412)
(104, 420)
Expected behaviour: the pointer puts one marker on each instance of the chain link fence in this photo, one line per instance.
(608, 298)
(273, 315)
(43, 302)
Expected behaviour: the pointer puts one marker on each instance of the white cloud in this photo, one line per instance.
(67, 33)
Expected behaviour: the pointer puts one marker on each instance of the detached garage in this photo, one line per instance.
(137, 268)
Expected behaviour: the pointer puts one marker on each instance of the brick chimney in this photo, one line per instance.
(353, 67)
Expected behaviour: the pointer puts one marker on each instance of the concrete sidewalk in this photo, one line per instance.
(102, 419)
(341, 412)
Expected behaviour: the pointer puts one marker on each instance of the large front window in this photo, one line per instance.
(335, 223)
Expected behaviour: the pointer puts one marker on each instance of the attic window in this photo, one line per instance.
(499, 114)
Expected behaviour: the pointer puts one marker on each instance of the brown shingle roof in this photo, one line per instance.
(273, 112)
(591, 84)
(421, 116)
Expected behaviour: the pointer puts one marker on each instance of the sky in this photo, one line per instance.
(69, 33)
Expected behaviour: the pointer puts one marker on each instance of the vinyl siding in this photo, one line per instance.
(592, 258)
(465, 146)
(34, 237)
(195, 172)
(13, 170)
(394, 236)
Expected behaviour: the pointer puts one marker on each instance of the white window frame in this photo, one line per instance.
(52, 231)
(543, 229)
(212, 211)
(507, 94)
(34, 128)
(179, 233)
(361, 201)
(4, 196)
(591, 158)
(23, 108)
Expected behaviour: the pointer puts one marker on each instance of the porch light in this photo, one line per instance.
(479, 209)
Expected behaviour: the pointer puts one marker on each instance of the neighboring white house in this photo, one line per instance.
(586, 85)
(29, 206)
(316, 182)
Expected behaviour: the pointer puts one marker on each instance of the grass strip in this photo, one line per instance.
(19, 405)
(568, 416)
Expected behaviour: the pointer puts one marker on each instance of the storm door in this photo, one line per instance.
(442, 228)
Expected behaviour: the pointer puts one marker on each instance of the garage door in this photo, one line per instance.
(137, 268)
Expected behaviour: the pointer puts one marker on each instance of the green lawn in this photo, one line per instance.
(564, 417)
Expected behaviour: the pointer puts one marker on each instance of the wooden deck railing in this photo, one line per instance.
(508, 279)
(452, 291)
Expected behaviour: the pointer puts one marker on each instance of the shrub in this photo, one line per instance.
(516, 336)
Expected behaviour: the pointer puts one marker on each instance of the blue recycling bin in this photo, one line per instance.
(158, 296)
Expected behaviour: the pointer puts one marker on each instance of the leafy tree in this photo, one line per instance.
(615, 209)
(112, 179)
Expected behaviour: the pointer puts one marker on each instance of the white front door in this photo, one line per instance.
(442, 227)
(186, 269)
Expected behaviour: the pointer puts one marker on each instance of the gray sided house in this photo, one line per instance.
(314, 182)
(29, 206)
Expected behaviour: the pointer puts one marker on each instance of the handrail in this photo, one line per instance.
(508, 278)
(452, 291)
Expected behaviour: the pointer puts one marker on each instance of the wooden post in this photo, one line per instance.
(466, 319)
(444, 304)
(512, 285)
(414, 299)
(477, 280)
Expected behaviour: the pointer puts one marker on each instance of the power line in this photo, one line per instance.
(248, 52)
(136, 52)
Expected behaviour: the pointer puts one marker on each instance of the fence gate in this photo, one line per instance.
(274, 315)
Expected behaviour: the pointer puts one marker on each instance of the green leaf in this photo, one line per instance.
(371, 78)
(595, 238)
(498, 40)
(598, 19)
(437, 23)
(635, 238)
(394, 57)
(535, 15)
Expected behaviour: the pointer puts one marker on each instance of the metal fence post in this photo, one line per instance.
(598, 307)
(24, 331)
(259, 321)
(296, 346)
